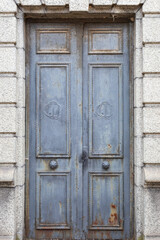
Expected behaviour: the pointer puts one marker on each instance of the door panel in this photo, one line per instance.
(79, 131)
(53, 210)
(105, 41)
(105, 201)
(53, 110)
(105, 110)
(53, 40)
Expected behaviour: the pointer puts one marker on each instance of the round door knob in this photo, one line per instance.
(105, 165)
(53, 164)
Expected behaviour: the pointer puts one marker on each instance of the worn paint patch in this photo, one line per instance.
(98, 221)
(113, 220)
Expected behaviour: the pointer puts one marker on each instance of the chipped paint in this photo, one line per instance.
(113, 220)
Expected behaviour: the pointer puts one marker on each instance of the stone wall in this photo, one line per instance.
(146, 109)
(12, 121)
(151, 118)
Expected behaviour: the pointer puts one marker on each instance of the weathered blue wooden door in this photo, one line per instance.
(79, 132)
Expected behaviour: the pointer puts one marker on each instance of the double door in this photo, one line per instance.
(79, 131)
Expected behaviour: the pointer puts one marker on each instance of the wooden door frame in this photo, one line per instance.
(84, 19)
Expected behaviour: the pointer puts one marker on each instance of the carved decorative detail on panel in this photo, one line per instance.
(105, 41)
(52, 110)
(104, 110)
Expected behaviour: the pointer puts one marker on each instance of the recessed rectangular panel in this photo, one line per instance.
(105, 111)
(53, 41)
(53, 110)
(105, 41)
(105, 201)
(53, 200)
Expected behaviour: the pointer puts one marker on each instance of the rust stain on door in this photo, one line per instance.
(113, 220)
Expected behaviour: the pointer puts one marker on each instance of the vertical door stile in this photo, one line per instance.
(85, 133)
(78, 132)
